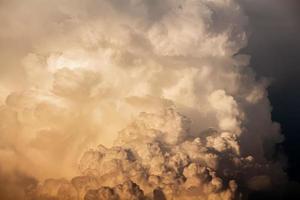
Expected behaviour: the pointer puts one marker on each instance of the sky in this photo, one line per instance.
(274, 46)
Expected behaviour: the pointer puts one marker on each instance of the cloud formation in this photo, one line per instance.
(159, 84)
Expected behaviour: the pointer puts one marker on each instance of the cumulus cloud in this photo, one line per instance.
(158, 84)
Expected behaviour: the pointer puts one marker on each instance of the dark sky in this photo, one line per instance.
(274, 45)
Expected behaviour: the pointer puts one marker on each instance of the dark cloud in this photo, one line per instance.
(15, 184)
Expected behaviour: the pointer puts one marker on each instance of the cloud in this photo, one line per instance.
(15, 184)
(187, 167)
(158, 84)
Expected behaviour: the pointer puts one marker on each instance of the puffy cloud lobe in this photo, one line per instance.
(227, 111)
(169, 126)
(195, 168)
(162, 74)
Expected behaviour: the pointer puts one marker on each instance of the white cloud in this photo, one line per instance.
(156, 82)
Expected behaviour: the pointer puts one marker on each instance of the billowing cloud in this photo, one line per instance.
(158, 84)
